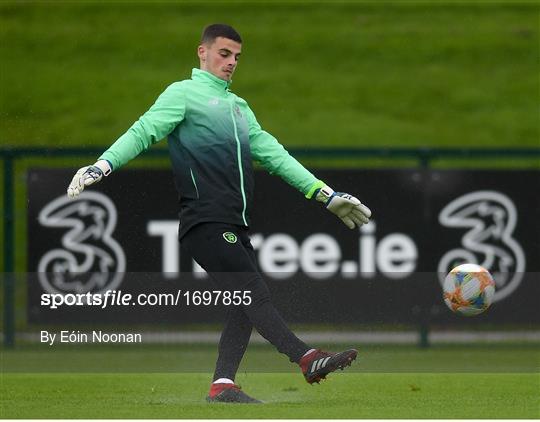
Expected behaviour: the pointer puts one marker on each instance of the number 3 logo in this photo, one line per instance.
(490, 218)
(90, 259)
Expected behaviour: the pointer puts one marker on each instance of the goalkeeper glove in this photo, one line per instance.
(348, 208)
(87, 176)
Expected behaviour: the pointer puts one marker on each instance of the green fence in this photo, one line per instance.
(423, 157)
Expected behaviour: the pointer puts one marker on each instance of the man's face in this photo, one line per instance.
(220, 58)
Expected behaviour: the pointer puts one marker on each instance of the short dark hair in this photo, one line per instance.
(211, 32)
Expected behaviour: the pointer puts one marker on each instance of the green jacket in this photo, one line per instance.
(213, 136)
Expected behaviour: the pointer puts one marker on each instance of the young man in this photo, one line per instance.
(213, 136)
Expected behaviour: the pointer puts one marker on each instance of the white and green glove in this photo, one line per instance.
(87, 176)
(348, 208)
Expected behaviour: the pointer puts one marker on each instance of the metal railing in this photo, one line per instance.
(9, 156)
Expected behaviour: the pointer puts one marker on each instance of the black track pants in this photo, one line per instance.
(232, 266)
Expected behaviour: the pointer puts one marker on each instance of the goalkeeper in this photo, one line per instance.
(213, 136)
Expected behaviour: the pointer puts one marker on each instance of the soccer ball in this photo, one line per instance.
(468, 289)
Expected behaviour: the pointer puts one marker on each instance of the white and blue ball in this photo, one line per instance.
(468, 289)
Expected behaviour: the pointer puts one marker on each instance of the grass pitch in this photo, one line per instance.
(352, 73)
(347, 395)
(172, 382)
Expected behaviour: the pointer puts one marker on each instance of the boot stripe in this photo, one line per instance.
(319, 363)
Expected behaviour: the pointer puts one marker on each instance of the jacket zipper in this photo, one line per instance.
(239, 156)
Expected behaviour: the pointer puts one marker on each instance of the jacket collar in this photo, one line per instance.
(204, 76)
